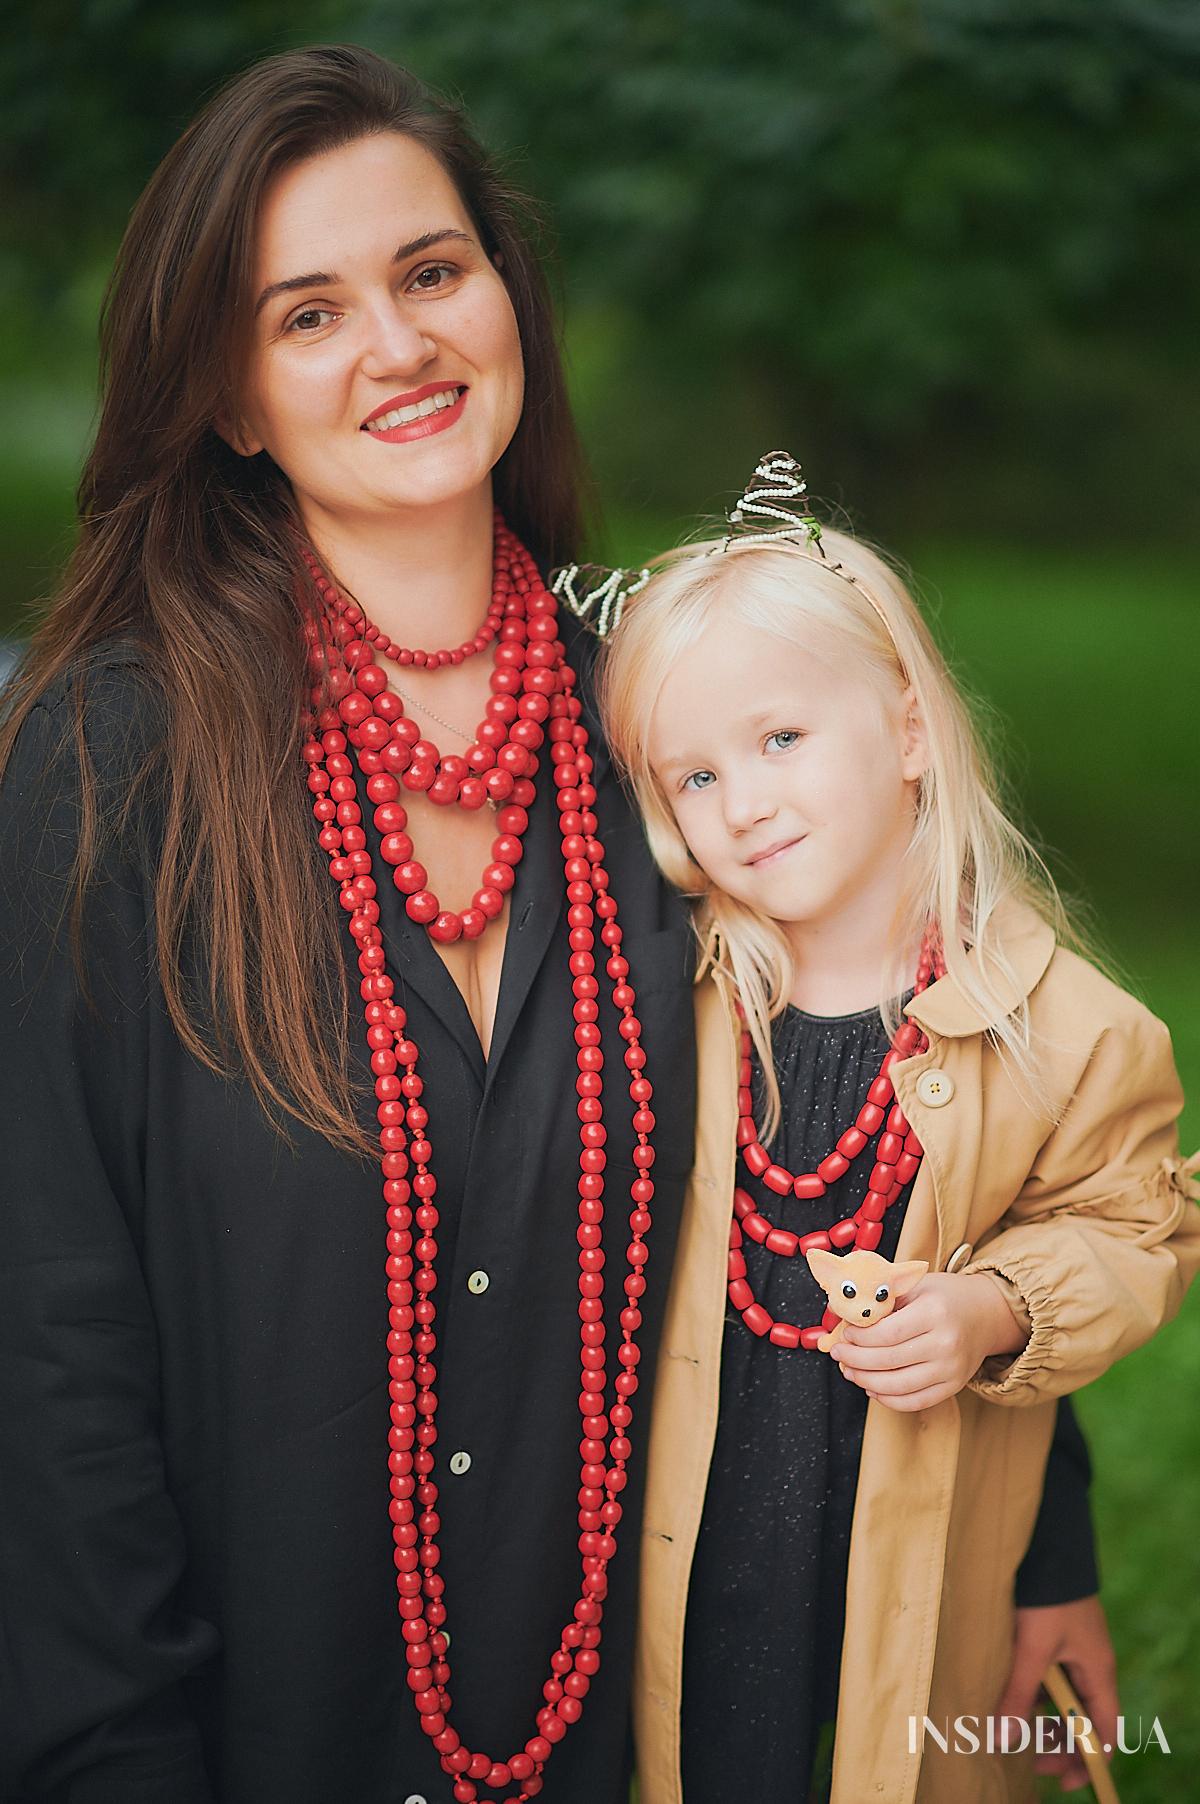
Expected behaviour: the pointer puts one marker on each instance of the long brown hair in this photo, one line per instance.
(189, 551)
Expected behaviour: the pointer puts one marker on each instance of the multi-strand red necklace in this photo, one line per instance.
(897, 1159)
(358, 720)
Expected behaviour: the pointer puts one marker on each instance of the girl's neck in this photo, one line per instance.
(854, 958)
(422, 575)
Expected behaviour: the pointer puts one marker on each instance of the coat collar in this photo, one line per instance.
(944, 1008)
(1028, 944)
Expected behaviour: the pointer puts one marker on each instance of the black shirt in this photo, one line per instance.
(766, 1603)
(197, 1595)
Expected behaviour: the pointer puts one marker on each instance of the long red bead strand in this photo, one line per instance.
(410, 1186)
(897, 1160)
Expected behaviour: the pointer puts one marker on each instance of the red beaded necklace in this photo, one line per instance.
(897, 1159)
(497, 765)
(541, 691)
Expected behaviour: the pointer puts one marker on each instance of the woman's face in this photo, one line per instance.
(386, 366)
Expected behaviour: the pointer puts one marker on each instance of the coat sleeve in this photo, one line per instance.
(94, 1646)
(1104, 1237)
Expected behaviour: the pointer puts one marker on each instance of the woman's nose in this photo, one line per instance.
(395, 342)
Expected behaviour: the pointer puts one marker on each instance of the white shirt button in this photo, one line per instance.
(460, 1463)
(414, 1798)
(935, 1088)
(477, 1283)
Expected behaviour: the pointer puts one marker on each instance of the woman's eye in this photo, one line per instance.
(783, 740)
(699, 779)
(310, 319)
(433, 276)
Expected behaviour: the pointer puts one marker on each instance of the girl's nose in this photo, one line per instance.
(746, 807)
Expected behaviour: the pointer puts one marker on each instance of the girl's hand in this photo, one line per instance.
(934, 1341)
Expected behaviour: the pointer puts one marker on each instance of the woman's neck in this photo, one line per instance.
(422, 575)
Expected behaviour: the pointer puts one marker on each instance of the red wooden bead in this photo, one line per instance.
(780, 1241)
(819, 1242)
(832, 1167)
(756, 1159)
(784, 1334)
(809, 1185)
(777, 1179)
(851, 1143)
(740, 1294)
(843, 1233)
(869, 1234)
(757, 1319)
(756, 1226)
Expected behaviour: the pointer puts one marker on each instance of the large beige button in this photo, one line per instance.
(477, 1283)
(960, 1256)
(460, 1463)
(935, 1088)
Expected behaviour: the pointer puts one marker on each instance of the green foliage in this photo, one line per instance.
(948, 227)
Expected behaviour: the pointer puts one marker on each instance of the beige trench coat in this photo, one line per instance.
(1091, 1219)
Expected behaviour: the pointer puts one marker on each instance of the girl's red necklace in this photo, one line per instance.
(897, 1159)
(541, 691)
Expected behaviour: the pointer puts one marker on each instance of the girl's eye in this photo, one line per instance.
(783, 740)
(699, 779)
(433, 277)
(310, 319)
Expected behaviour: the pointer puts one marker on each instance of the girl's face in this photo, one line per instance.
(386, 367)
(792, 782)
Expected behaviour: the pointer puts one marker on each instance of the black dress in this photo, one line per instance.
(766, 1602)
(197, 1596)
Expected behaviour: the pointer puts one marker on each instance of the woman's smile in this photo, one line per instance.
(426, 410)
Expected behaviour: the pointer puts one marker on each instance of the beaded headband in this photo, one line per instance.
(777, 480)
(601, 606)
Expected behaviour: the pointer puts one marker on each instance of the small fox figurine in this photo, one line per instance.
(861, 1287)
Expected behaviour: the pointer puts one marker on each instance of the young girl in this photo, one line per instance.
(897, 1053)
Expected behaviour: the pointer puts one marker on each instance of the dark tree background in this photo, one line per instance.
(949, 244)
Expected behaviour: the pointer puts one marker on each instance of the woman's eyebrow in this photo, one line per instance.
(323, 278)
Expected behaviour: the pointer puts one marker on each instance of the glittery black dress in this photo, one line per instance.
(766, 1603)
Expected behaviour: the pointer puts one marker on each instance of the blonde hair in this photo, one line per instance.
(965, 856)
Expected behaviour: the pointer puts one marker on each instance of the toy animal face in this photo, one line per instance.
(862, 1287)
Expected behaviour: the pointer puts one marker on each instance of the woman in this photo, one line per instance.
(328, 354)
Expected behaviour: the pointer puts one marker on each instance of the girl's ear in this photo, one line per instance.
(905, 1276)
(914, 742)
(823, 1266)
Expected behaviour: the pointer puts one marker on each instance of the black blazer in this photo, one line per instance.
(196, 1587)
